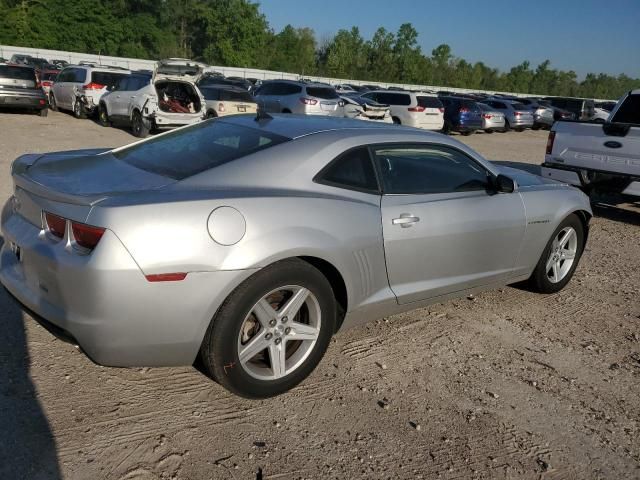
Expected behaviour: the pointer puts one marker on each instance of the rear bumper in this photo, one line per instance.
(588, 178)
(18, 101)
(103, 302)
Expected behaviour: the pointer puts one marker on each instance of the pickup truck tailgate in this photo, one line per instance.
(591, 146)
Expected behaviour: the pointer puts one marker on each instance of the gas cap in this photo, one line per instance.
(226, 225)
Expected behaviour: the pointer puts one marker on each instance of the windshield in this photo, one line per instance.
(429, 102)
(186, 152)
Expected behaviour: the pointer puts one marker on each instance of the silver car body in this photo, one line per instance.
(492, 119)
(307, 98)
(79, 83)
(222, 225)
(413, 109)
(516, 115)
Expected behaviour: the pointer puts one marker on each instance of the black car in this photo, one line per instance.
(582, 108)
(19, 89)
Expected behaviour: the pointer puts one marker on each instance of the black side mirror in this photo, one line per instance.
(504, 184)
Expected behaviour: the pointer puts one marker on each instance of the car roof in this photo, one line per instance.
(222, 86)
(296, 126)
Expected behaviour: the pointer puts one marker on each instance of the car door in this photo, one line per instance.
(62, 86)
(118, 98)
(444, 229)
(267, 97)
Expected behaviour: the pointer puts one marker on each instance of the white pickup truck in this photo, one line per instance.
(598, 156)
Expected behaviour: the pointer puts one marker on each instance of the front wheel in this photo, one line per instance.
(78, 109)
(560, 257)
(44, 112)
(272, 331)
(103, 116)
(52, 103)
(138, 126)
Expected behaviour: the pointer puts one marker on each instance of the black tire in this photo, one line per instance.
(138, 128)
(539, 280)
(219, 350)
(78, 109)
(103, 116)
(211, 114)
(488, 130)
(507, 127)
(44, 112)
(52, 103)
(466, 133)
(535, 127)
(286, 110)
(396, 121)
(446, 128)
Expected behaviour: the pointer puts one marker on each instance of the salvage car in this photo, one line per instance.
(366, 109)
(170, 100)
(249, 241)
(79, 88)
(115, 106)
(19, 89)
(222, 100)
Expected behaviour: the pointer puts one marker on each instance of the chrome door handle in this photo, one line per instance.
(406, 220)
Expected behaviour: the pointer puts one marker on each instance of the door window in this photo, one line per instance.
(427, 169)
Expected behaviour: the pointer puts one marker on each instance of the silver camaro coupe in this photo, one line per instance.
(249, 241)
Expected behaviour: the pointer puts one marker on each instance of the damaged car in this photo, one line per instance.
(170, 100)
(365, 109)
(79, 88)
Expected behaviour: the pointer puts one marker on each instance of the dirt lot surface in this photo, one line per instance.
(510, 384)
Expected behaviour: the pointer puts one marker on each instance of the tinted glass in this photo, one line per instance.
(109, 79)
(629, 111)
(429, 102)
(235, 96)
(499, 105)
(210, 93)
(288, 89)
(414, 169)
(322, 92)
(394, 98)
(484, 107)
(79, 75)
(49, 76)
(17, 73)
(352, 170)
(183, 153)
(519, 106)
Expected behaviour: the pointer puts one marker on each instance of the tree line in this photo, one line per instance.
(236, 33)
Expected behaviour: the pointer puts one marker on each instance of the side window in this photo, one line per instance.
(79, 75)
(352, 170)
(629, 111)
(290, 89)
(265, 89)
(124, 84)
(371, 96)
(424, 169)
(65, 75)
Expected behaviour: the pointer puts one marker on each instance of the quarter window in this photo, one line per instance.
(352, 170)
(629, 111)
(424, 169)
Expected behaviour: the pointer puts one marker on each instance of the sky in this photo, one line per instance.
(580, 35)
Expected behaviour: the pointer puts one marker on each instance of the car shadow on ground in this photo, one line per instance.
(27, 445)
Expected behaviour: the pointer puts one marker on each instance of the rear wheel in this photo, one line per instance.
(272, 331)
(466, 133)
(507, 127)
(78, 109)
(103, 116)
(138, 126)
(52, 103)
(397, 121)
(211, 114)
(44, 112)
(488, 130)
(560, 257)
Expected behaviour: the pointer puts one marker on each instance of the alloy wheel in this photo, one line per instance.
(279, 333)
(562, 255)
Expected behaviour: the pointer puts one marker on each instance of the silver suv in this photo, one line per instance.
(287, 96)
(79, 88)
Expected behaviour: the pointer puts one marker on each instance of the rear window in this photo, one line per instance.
(234, 96)
(210, 93)
(322, 92)
(429, 102)
(108, 79)
(519, 106)
(49, 76)
(629, 111)
(17, 73)
(186, 152)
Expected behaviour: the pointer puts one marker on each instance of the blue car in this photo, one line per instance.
(461, 115)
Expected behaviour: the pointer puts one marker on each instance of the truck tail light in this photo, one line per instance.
(550, 140)
(87, 236)
(55, 224)
(416, 109)
(308, 101)
(93, 86)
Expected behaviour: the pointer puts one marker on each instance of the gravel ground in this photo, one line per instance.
(509, 384)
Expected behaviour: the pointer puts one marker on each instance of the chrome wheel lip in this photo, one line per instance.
(562, 255)
(274, 337)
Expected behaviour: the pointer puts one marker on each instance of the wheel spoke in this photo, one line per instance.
(567, 255)
(567, 236)
(256, 345)
(556, 271)
(301, 331)
(550, 264)
(264, 312)
(292, 307)
(277, 354)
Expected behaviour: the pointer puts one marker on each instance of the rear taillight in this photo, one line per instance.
(464, 110)
(517, 114)
(441, 110)
(308, 101)
(486, 115)
(86, 236)
(93, 86)
(55, 225)
(221, 107)
(417, 108)
(550, 140)
(46, 83)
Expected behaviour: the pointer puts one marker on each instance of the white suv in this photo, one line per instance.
(78, 88)
(169, 99)
(414, 109)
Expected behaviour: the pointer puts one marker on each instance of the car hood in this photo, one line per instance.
(96, 174)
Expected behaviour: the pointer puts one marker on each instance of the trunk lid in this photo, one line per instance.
(178, 69)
